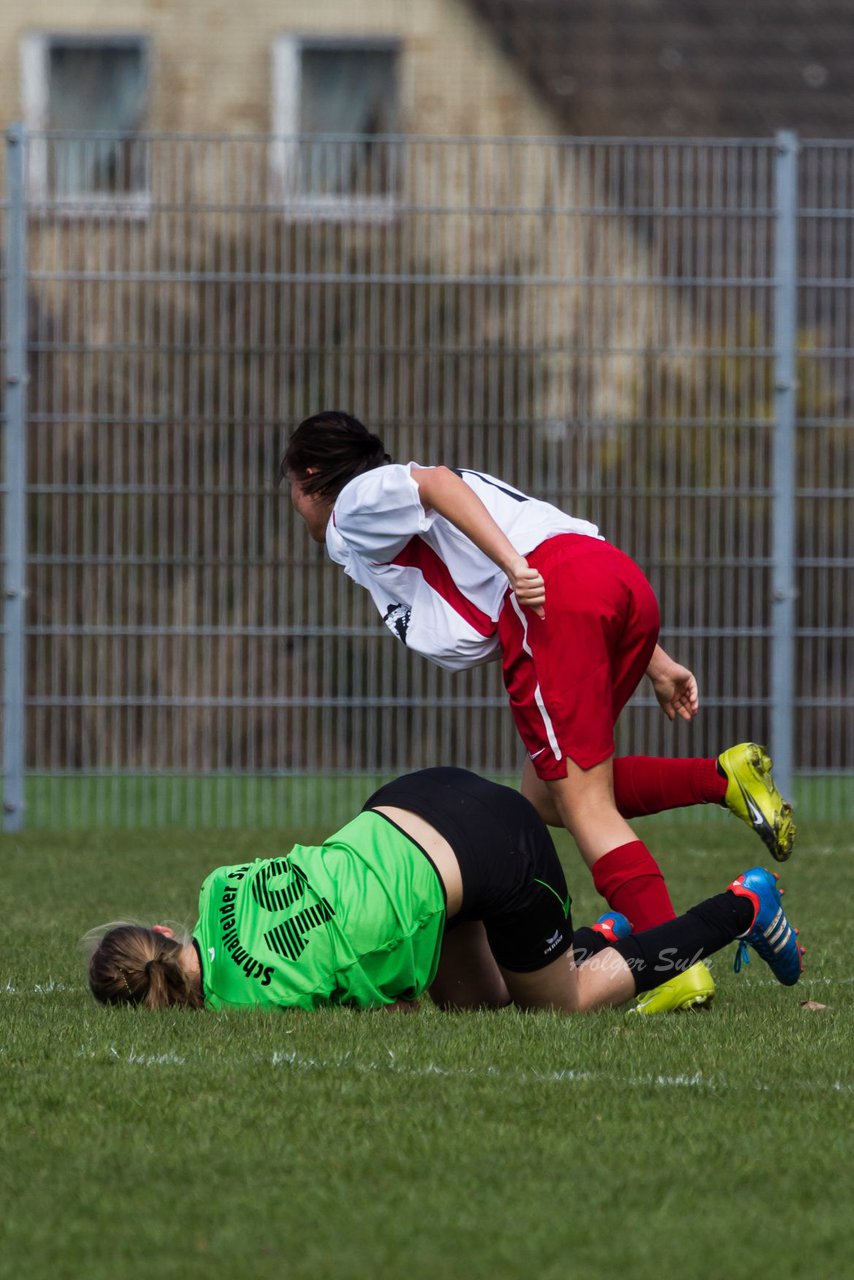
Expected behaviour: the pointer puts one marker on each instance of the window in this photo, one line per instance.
(94, 89)
(333, 102)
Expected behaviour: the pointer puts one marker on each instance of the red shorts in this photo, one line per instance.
(570, 674)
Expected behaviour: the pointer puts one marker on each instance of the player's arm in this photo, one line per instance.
(675, 686)
(443, 491)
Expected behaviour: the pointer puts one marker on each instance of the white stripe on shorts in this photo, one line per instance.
(538, 697)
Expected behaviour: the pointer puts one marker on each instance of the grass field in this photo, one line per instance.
(134, 801)
(357, 1146)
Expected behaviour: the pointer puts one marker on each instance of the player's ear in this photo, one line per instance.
(163, 929)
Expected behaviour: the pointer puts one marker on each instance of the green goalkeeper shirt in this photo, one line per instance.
(357, 920)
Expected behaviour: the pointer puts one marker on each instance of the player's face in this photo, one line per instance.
(312, 509)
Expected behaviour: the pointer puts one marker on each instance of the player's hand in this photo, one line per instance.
(528, 586)
(676, 690)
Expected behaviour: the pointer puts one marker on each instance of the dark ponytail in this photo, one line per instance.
(335, 447)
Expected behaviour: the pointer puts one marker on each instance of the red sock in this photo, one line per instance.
(649, 784)
(630, 880)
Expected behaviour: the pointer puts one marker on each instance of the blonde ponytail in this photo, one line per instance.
(132, 964)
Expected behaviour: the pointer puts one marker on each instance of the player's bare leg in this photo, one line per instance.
(537, 791)
(584, 801)
(624, 871)
(468, 976)
(602, 980)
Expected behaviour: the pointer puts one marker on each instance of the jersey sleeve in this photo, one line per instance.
(376, 514)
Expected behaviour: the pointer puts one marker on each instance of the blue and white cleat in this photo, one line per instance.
(613, 926)
(771, 935)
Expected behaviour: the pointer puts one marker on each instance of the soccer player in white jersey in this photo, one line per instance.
(464, 568)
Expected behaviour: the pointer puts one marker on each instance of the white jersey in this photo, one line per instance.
(436, 591)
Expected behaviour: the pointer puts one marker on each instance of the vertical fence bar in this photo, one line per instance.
(15, 466)
(784, 516)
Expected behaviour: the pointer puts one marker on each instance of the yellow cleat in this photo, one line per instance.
(693, 989)
(752, 796)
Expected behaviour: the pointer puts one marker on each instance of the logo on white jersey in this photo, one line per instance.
(396, 618)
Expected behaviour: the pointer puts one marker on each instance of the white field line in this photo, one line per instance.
(566, 1075)
(293, 1061)
(134, 1059)
(39, 989)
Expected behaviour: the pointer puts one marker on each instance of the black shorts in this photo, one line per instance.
(512, 878)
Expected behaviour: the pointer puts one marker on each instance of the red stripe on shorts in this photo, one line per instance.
(418, 555)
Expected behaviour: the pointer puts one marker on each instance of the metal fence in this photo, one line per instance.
(654, 335)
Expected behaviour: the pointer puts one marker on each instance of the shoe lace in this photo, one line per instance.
(742, 956)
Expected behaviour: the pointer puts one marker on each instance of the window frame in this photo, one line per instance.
(35, 49)
(296, 202)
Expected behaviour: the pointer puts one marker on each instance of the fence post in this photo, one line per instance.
(784, 520)
(15, 468)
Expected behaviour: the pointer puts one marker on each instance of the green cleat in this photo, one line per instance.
(752, 796)
(693, 989)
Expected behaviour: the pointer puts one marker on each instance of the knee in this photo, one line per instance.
(539, 793)
(583, 808)
(546, 807)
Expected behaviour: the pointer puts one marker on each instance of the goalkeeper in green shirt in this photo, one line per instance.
(444, 883)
